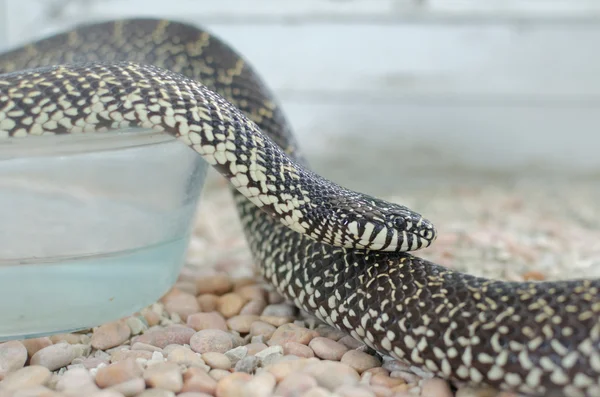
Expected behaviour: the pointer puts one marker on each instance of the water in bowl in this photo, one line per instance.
(93, 228)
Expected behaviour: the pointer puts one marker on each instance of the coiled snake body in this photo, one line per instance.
(335, 253)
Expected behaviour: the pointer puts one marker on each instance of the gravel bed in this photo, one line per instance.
(220, 331)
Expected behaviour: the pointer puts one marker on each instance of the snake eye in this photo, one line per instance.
(401, 223)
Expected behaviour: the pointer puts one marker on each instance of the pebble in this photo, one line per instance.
(280, 310)
(276, 321)
(233, 385)
(242, 282)
(211, 320)
(76, 381)
(147, 347)
(295, 385)
(217, 284)
(169, 348)
(182, 303)
(317, 392)
(242, 322)
(394, 365)
(90, 362)
(255, 347)
(435, 387)
(254, 307)
(354, 391)
(360, 361)
(161, 337)
(263, 355)
(262, 385)
(329, 332)
(35, 344)
(124, 354)
(35, 391)
(193, 394)
(284, 368)
(165, 376)
(331, 374)
(382, 391)
(237, 339)
(257, 339)
(230, 304)
(274, 358)
(156, 393)
(130, 387)
(474, 391)
(216, 360)
(408, 377)
(13, 355)
(274, 297)
(235, 355)
(211, 340)
(189, 287)
(151, 317)
(119, 372)
(352, 343)
(252, 292)
(368, 374)
(136, 324)
(54, 356)
(197, 380)
(157, 357)
(247, 364)
(298, 349)
(384, 380)
(327, 349)
(291, 333)
(186, 356)
(219, 374)
(30, 376)
(208, 302)
(81, 349)
(260, 328)
(68, 338)
(110, 335)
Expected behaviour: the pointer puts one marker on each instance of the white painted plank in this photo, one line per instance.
(418, 62)
(423, 61)
(562, 9)
(333, 11)
(497, 95)
(349, 141)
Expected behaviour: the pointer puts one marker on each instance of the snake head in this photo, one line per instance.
(410, 230)
(374, 224)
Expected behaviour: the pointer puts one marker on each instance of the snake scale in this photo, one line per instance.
(335, 253)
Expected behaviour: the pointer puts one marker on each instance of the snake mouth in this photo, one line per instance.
(419, 237)
(427, 234)
(405, 233)
(413, 233)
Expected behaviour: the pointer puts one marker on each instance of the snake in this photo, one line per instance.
(340, 255)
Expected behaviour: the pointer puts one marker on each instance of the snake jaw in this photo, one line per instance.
(403, 233)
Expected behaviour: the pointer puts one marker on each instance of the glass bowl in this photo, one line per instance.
(94, 226)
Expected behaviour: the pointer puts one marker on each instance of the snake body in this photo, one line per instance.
(335, 253)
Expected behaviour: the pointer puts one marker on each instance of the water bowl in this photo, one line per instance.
(93, 228)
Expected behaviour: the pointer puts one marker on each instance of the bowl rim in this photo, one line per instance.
(64, 144)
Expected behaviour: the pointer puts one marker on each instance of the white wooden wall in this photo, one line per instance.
(475, 83)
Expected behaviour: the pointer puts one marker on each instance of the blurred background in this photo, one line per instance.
(398, 89)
